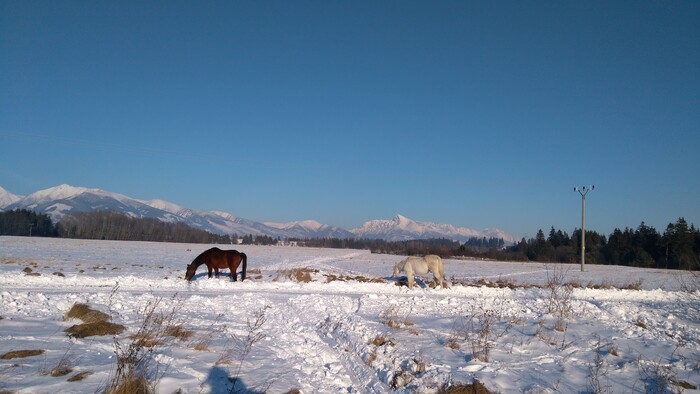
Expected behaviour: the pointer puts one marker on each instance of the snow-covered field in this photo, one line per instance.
(349, 334)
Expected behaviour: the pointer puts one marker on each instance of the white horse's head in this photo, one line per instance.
(398, 268)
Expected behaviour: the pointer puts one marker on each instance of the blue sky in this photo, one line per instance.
(477, 114)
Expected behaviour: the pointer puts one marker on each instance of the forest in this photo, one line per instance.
(103, 225)
(678, 247)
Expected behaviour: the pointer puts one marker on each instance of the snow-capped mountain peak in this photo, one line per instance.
(7, 198)
(166, 206)
(65, 200)
(311, 229)
(60, 192)
(402, 228)
(305, 224)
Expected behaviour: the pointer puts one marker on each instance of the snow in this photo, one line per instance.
(326, 337)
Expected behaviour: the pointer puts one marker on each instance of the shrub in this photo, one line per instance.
(135, 372)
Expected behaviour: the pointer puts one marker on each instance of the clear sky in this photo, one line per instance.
(476, 114)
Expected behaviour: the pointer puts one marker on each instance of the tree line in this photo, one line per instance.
(103, 225)
(24, 222)
(678, 247)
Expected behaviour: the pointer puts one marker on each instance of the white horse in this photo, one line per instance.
(421, 265)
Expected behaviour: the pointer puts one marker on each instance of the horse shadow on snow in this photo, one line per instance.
(222, 275)
(219, 381)
(402, 281)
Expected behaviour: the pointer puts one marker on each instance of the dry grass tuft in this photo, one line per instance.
(224, 361)
(391, 318)
(147, 340)
(475, 388)
(634, 285)
(382, 340)
(179, 332)
(683, 384)
(62, 368)
(80, 376)
(56, 372)
(94, 329)
(94, 322)
(133, 383)
(21, 354)
(302, 275)
(254, 273)
(86, 314)
(360, 278)
(452, 343)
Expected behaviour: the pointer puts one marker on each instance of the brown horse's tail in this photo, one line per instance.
(244, 263)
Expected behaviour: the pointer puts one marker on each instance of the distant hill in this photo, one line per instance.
(401, 228)
(65, 199)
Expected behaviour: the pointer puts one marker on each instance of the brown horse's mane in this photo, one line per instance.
(204, 257)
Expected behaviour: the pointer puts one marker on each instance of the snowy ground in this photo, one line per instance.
(347, 335)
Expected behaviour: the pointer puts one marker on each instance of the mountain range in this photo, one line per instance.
(62, 200)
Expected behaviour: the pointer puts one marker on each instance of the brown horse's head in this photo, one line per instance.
(191, 269)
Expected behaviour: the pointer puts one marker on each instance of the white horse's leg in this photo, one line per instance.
(407, 268)
(441, 274)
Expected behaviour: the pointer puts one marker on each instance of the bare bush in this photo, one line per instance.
(482, 327)
(244, 344)
(559, 292)
(201, 343)
(598, 372)
(658, 377)
(63, 367)
(136, 369)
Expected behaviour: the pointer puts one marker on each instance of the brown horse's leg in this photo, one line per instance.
(209, 271)
(216, 271)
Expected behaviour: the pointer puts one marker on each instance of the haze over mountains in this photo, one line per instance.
(65, 200)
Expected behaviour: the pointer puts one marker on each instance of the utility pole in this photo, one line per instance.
(583, 190)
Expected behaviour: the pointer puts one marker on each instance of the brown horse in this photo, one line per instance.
(216, 258)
